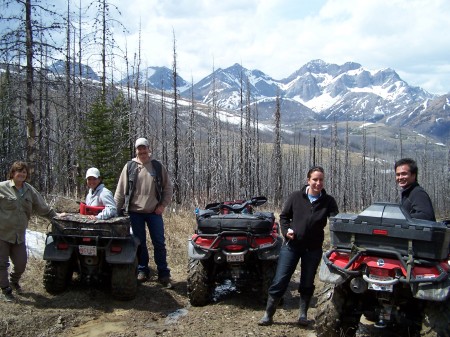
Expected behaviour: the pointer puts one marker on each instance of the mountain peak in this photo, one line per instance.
(157, 78)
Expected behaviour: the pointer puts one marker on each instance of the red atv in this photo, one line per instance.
(101, 252)
(390, 268)
(232, 242)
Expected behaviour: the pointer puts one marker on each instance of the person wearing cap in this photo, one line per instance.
(149, 195)
(99, 195)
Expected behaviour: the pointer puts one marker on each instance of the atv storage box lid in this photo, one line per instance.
(76, 224)
(386, 226)
(256, 223)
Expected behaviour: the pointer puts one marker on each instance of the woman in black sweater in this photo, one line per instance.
(303, 219)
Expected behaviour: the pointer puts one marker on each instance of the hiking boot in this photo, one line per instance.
(16, 287)
(142, 276)
(166, 282)
(7, 295)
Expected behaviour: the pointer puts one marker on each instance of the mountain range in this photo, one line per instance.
(318, 92)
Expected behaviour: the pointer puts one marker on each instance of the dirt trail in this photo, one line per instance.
(156, 311)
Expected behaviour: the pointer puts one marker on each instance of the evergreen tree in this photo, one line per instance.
(104, 146)
(121, 135)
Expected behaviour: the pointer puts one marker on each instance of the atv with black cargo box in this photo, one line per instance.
(233, 242)
(390, 268)
(99, 251)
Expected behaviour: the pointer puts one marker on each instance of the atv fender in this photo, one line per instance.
(52, 253)
(330, 275)
(197, 253)
(271, 253)
(128, 253)
(438, 292)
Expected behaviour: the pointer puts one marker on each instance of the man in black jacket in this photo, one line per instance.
(414, 200)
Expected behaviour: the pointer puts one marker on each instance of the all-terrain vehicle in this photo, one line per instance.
(390, 268)
(100, 251)
(232, 242)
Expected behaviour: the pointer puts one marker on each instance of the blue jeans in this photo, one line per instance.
(155, 226)
(290, 255)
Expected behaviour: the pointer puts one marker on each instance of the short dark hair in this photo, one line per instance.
(410, 162)
(314, 169)
(17, 166)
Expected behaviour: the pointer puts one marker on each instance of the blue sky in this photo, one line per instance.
(279, 36)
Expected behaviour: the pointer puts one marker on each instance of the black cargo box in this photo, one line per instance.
(386, 226)
(257, 223)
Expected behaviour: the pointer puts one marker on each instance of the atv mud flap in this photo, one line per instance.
(197, 253)
(127, 254)
(52, 253)
(270, 253)
(329, 274)
(431, 291)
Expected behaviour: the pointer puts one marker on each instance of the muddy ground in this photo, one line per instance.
(155, 312)
(87, 312)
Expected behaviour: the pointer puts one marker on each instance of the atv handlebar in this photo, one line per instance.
(237, 206)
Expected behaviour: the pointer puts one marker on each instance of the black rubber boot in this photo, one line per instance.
(304, 305)
(270, 311)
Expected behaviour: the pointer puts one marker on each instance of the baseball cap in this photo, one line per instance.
(92, 172)
(141, 141)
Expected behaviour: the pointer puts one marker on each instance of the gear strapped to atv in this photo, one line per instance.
(390, 268)
(232, 241)
(100, 251)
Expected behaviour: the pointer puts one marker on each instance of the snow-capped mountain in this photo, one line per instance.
(160, 78)
(432, 118)
(317, 92)
(227, 84)
(324, 92)
(331, 91)
(59, 68)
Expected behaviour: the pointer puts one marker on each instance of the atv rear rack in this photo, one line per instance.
(407, 265)
(214, 245)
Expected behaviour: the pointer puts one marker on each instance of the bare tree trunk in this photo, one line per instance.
(278, 188)
(30, 116)
(346, 170)
(103, 53)
(363, 170)
(176, 160)
(241, 137)
(191, 145)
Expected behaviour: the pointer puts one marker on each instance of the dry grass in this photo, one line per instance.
(179, 228)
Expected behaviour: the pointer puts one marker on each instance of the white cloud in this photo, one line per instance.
(279, 36)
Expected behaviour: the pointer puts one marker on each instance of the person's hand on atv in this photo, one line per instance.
(61, 215)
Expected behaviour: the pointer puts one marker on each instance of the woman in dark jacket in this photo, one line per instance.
(303, 219)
